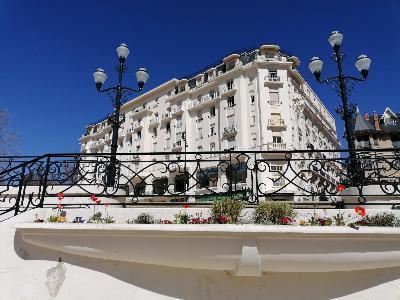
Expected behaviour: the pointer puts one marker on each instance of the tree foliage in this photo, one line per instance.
(8, 138)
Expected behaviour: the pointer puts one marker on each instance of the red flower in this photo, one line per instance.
(223, 219)
(106, 204)
(360, 210)
(340, 187)
(60, 196)
(93, 198)
(166, 222)
(59, 206)
(98, 201)
(285, 220)
(186, 206)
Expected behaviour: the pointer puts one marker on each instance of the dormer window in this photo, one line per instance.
(390, 121)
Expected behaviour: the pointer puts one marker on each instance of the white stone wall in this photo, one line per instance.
(27, 273)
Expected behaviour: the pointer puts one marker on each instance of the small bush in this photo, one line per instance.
(144, 218)
(382, 220)
(98, 219)
(182, 218)
(226, 211)
(273, 213)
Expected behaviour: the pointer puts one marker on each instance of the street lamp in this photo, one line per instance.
(117, 92)
(343, 85)
(340, 82)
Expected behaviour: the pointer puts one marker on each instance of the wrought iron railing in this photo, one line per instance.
(201, 177)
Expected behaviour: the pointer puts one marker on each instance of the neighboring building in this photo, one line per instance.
(377, 131)
(254, 100)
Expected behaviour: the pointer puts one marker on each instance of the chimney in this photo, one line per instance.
(376, 121)
(366, 116)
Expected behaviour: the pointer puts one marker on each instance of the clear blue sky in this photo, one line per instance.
(49, 50)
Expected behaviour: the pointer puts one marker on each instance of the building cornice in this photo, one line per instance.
(152, 92)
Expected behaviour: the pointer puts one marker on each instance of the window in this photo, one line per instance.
(212, 111)
(160, 186)
(213, 94)
(363, 142)
(273, 97)
(207, 178)
(231, 119)
(139, 135)
(181, 182)
(236, 173)
(184, 136)
(178, 122)
(168, 127)
(199, 133)
(212, 147)
(253, 140)
(231, 143)
(277, 139)
(140, 188)
(154, 132)
(273, 74)
(277, 175)
(229, 84)
(199, 116)
(252, 98)
(231, 101)
(212, 130)
(253, 120)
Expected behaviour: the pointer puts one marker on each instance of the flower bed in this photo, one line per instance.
(230, 211)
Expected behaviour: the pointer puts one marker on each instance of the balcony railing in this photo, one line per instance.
(272, 78)
(363, 177)
(176, 109)
(230, 130)
(276, 146)
(166, 116)
(228, 90)
(276, 122)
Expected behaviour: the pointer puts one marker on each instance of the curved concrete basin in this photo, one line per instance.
(245, 250)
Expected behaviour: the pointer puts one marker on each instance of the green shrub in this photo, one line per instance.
(182, 218)
(98, 219)
(226, 211)
(144, 218)
(270, 212)
(382, 220)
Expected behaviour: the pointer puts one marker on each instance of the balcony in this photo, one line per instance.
(176, 110)
(137, 125)
(229, 131)
(204, 101)
(154, 121)
(228, 90)
(177, 146)
(143, 110)
(272, 80)
(276, 146)
(276, 123)
(166, 116)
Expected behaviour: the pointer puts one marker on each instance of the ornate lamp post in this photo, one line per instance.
(341, 83)
(118, 93)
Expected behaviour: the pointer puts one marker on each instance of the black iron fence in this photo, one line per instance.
(326, 177)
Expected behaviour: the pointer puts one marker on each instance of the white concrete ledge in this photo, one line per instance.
(245, 250)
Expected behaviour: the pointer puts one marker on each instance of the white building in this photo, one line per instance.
(251, 101)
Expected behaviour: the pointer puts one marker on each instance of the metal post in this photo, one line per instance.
(112, 168)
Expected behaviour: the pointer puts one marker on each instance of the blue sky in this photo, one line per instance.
(49, 50)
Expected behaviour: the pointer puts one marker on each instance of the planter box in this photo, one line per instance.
(245, 250)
